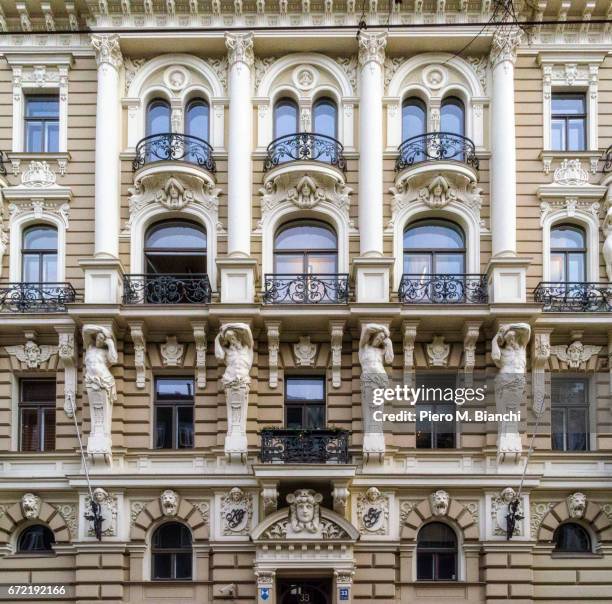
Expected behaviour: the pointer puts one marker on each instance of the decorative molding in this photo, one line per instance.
(31, 354)
(269, 495)
(504, 44)
(471, 331)
(172, 352)
(200, 339)
(107, 49)
(337, 331)
(373, 512)
(576, 505)
(569, 206)
(305, 78)
(539, 359)
(203, 507)
(239, 48)
(67, 351)
(140, 351)
(220, 67)
(371, 48)
(30, 505)
(169, 502)
(349, 66)
(571, 173)
(236, 512)
(499, 512)
(69, 511)
(409, 330)
(536, 514)
(108, 508)
(439, 502)
(38, 175)
(132, 67)
(480, 65)
(577, 355)
(391, 66)
(438, 352)
(305, 352)
(340, 497)
(273, 333)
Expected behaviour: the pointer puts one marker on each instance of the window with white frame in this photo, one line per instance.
(570, 414)
(42, 123)
(568, 254)
(568, 121)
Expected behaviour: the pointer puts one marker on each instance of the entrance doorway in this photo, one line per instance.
(300, 591)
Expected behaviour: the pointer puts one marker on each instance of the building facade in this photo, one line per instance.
(226, 226)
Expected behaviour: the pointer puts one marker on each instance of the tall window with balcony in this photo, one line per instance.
(414, 127)
(174, 401)
(37, 415)
(568, 122)
(436, 434)
(570, 414)
(39, 254)
(306, 266)
(158, 131)
(42, 124)
(305, 403)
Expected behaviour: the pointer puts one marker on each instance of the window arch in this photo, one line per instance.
(197, 119)
(437, 553)
(434, 247)
(571, 537)
(414, 118)
(452, 116)
(325, 117)
(39, 254)
(171, 553)
(158, 117)
(568, 253)
(285, 117)
(36, 538)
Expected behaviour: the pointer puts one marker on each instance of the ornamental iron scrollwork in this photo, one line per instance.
(574, 297)
(306, 289)
(172, 146)
(305, 146)
(166, 289)
(436, 146)
(443, 289)
(304, 446)
(36, 297)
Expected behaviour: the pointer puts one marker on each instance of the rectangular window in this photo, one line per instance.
(37, 415)
(436, 433)
(42, 124)
(570, 414)
(568, 122)
(174, 401)
(305, 402)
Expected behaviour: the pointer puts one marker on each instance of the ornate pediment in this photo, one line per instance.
(304, 520)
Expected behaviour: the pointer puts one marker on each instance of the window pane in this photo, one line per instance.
(425, 565)
(557, 429)
(163, 428)
(568, 104)
(446, 567)
(49, 273)
(418, 264)
(34, 137)
(198, 120)
(566, 236)
(424, 432)
(413, 119)
(174, 389)
(557, 135)
(433, 236)
(576, 267)
(162, 566)
(452, 116)
(557, 267)
(325, 118)
(52, 137)
(289, 263)
(572, 538)
(49, 429)
(185, 427)
(40, 238)
(569, 392)
(312, 389)
(31, 268)
(576, 135)
(436, 535)
(315, 416)
(321, 264)
(577, 438)
(42, 106)
(30, 430)
(36, 538)
(183, 566)
(294, 417)
(38, 391)
(158, 118)
(176, 236)
(306, 237)
(285, 118)
(449, 264)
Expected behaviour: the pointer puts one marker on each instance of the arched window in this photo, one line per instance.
(571, 537)
(285, 117)
(436, 553)
(197, 119)
(567, 254)
(325, 117)
(306, 247)
(434, 247)
(175, 247)
(452, 116)
(36, 539)
(158, 117)
(39, 254)
(414, 118)
(172, 557)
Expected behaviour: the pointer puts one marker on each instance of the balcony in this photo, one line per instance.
(443, 289)
(166, 289)
(436, 147)
(306, 289)
(304, 446)
(305, 146)
(574, 297)
(176, 148)
(36, 297)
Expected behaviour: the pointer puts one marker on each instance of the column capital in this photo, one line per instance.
(240, 48)
(504, 45)
(372, 47)
(107, 49)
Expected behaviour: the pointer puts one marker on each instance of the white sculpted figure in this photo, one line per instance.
(234, 347)
(30, 505)
(508, 351)
(439, 502)
(169, 501)
(100, 355)
(304, 510)
(375, 349)
(576, 505)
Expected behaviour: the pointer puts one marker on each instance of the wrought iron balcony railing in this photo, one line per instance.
(443, 289)
(305, 146)
(607, 160)
(436, 146)
(306, 289)
(574, 297)
(36, 297)
(166, 289)
(174, 147)
(304, 446)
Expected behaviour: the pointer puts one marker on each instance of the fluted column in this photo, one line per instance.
(240, 59)
(371, 62)
(107, 168)
(503, 143)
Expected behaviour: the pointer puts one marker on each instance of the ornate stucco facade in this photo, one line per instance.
(337, 500)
